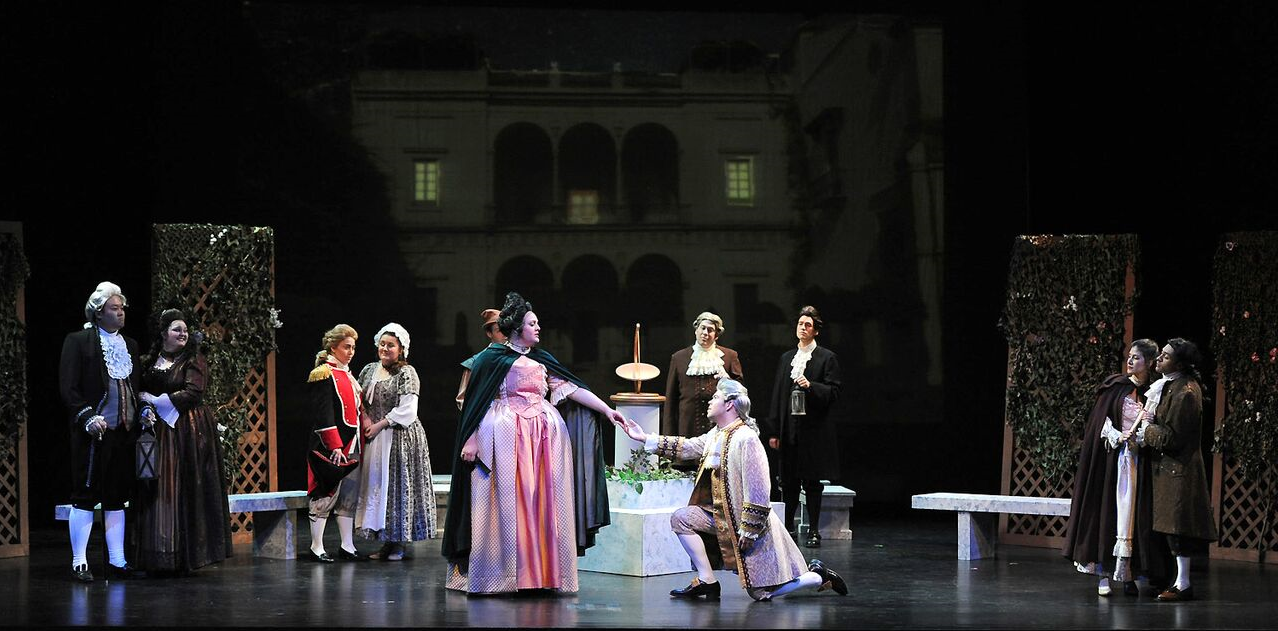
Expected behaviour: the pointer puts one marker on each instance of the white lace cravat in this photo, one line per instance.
(706, 361)
(116, 354)
(800, 361)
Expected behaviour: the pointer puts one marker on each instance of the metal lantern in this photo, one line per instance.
(798, 402)
(147, 455)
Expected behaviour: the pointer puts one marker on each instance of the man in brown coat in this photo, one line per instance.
(1182, 504)
(694, 372)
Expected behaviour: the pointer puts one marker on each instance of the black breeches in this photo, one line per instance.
(812, 490)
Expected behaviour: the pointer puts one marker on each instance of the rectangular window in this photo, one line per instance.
(583, 207)
(739, 173)
(426, 182)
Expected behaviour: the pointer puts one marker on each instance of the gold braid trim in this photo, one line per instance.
(754, 520)
(670, 446)
(729, 545)
(321, 372)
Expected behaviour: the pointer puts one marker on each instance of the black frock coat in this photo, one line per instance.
(809, 443)
(82, 382)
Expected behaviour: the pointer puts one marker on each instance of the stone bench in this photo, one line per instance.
(836, 513)
(442, 483)
(274, 520)
(977, 516)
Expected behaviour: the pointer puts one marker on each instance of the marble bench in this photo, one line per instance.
(977, 516)
(274, 520)
(836, 513)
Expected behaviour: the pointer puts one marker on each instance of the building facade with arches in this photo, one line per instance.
(606, 198)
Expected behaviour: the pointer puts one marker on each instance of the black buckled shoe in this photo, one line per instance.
(1175, 594)
(1130, 588)
(120, 573)
(814, 540)
(319, 558)
(829, 578)
(350, 556)
(697, 588)
(82, 573)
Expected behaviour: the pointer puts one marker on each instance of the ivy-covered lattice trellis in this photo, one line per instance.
(14, 533)
(222, 277)
(1067, 322)
(1245, 342)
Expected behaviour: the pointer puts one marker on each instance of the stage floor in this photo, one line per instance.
(900, 570)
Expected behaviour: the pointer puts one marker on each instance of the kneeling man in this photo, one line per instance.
(728, 522)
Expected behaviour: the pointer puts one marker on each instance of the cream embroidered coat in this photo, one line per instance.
(740, 487)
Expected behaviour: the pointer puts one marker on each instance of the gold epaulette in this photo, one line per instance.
(321, 372)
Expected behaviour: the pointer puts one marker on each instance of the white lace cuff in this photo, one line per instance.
(164, 407)
(651, 443)
(1111, 435)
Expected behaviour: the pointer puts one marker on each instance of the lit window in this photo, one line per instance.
(583, 207)
(426, 181)
(740, 181)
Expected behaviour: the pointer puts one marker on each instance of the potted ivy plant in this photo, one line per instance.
(642, 482)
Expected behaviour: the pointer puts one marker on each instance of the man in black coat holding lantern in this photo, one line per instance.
(806, 387)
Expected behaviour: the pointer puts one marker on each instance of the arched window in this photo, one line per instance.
(522, 173)
(654, 289)
(591, 292)
(650, 170)
(587, 173)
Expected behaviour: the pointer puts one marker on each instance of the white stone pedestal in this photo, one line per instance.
(639, 541)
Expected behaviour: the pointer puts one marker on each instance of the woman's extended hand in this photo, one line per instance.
(470, 449)
(616, 418)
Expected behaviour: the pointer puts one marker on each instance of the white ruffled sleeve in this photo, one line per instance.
(560, 389)
(164, 406)
(404, 414)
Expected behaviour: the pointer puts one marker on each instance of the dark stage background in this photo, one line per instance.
(1156, 120)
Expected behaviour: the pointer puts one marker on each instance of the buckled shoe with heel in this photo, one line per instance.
(120, 573)
(829, 578)
(697, 588)
(82, 573)
(1174, 594)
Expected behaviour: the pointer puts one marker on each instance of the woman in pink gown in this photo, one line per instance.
(516, 501)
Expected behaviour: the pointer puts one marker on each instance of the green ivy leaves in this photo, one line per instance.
(1064, 325)
(13, 348)
(1245, 341)
(638, 470)
(221, 277)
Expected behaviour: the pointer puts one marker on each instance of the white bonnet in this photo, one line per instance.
(398, 331)
(99, 297)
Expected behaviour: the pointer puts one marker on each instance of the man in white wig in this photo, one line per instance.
(728, 522)
(99, 384)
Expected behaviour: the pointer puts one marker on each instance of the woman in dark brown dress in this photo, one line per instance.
(183, 515)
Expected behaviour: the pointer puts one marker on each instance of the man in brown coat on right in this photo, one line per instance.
(1182, 501)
